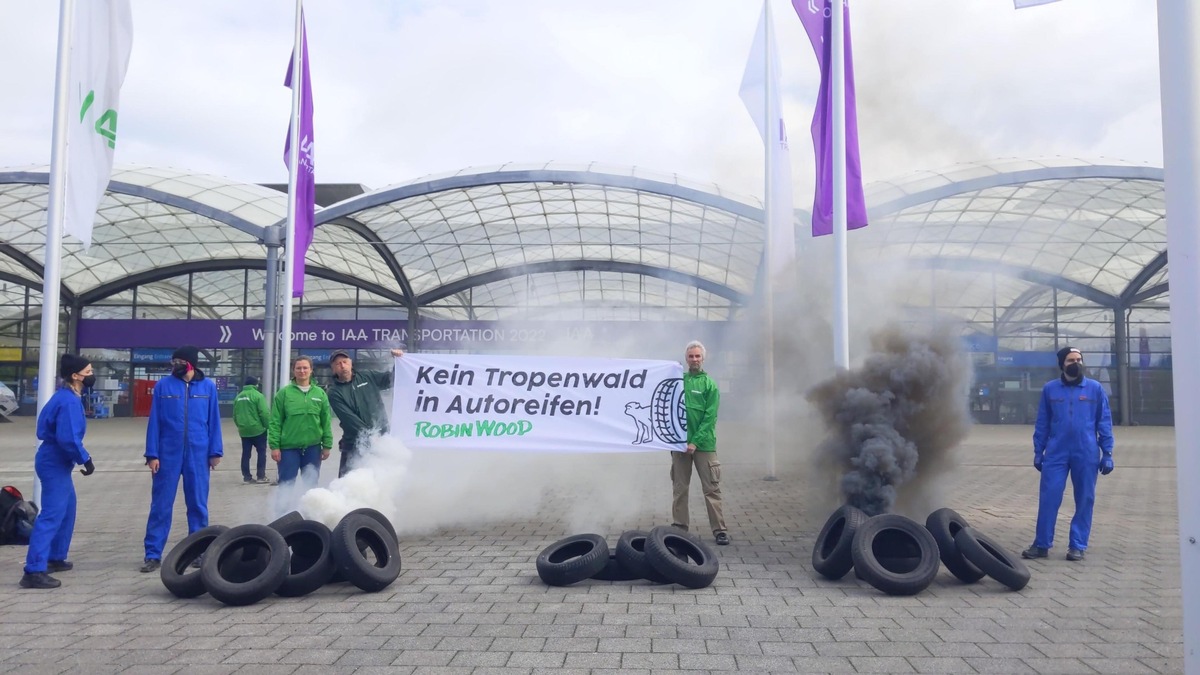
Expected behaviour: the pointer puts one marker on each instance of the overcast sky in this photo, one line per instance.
(405, 88)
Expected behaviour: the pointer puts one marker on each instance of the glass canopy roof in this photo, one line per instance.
(492, 242)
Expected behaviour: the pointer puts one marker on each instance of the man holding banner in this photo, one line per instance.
(701, 397)
(356, 400)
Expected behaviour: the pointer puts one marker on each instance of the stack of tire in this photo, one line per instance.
(664, 555)
(898, 556)
(290, 557)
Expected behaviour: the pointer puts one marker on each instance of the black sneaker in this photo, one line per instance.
(1074, 555)
(39, 580)
(264, 480)
(247, 480)
(1035, 552)
(150, 565)
(722, 539)
(59, 566)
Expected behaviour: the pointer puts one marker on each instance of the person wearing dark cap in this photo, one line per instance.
(1073, 436)
(251, 416)
(183, 439)
(60, 427)
(356, 400)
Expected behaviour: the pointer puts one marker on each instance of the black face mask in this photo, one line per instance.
(1073, 370)
(179, 371)
(89, 381)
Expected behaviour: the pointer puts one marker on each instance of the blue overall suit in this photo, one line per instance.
(184, 432)
(1074, 427)
(60, 428)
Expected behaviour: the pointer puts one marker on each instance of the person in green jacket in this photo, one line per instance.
(251, 416)
(701, 398)
(300, 433)
(356, 400)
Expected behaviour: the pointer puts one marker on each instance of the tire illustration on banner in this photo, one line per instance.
(665, 416)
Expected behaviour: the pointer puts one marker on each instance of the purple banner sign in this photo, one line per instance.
(431, 334)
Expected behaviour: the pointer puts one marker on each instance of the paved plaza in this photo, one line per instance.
(469, 600)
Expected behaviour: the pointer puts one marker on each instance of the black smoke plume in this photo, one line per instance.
(892, 422)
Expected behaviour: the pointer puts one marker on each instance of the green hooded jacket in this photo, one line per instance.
(701, 398)
(358, 403)
(300, 419)
(250, 412)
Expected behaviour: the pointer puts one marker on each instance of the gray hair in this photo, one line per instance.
(696, 343)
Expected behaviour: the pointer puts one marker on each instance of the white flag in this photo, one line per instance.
(760, 94)
(99, 56)
(1021, 4)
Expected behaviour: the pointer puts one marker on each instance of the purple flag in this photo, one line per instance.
(306, 183)
(815, 15)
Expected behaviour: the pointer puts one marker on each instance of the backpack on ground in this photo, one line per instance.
(16, 516)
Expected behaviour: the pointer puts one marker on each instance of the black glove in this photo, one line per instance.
(1106, 465)
(88, 468)
(1037, 463)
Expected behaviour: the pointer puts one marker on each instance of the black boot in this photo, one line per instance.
(39, 580)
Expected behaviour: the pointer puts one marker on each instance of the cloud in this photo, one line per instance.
(407, 89)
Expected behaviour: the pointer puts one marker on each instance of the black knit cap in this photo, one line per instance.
(251, 381)
(188, 353)
(1062, 355)
(69, 364)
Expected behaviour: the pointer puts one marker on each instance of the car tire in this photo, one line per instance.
(943, 524)
(572, 559)
(379, 518)
(895, 554)
(234, 544)
(312, 563)
(176, 572)
(993, 559)
(355, 537)
(682, 559)
(831, 556)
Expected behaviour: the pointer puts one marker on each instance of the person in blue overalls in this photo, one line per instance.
(182, 439)
(60, 428)
(1073, 435)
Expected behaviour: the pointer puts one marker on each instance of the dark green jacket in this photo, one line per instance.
(701, 398)
(300, 419)
(358, 403)
(250, 412)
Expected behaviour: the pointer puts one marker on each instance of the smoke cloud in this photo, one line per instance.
(893, 422)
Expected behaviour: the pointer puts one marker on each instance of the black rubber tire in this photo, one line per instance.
(235, 542)
(176, 570)
(988, 555)
(631, 553)
(683, 559)
(831, 556)
(895, 554)
(312, 558)
(943, 524)
(615, 571)
(573, 559)
(352, 539)
(289, 517)
(379, 518)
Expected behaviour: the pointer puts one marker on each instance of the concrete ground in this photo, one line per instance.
(469, 600)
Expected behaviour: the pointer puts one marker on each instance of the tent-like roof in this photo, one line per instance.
(1095, 230)
(483, 242)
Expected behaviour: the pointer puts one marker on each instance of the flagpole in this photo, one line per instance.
(770, 127)
(55, 203)
(289, 283)
(841, 302)
(1179, 84)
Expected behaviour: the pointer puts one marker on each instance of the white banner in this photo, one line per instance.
(100, 47)
(538, 404)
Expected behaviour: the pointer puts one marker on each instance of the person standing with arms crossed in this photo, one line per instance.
(702, 398)
(60, 427)
(251, 416)
(300, 433)
(356, 400)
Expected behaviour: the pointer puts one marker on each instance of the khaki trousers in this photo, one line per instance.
(709, 470)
